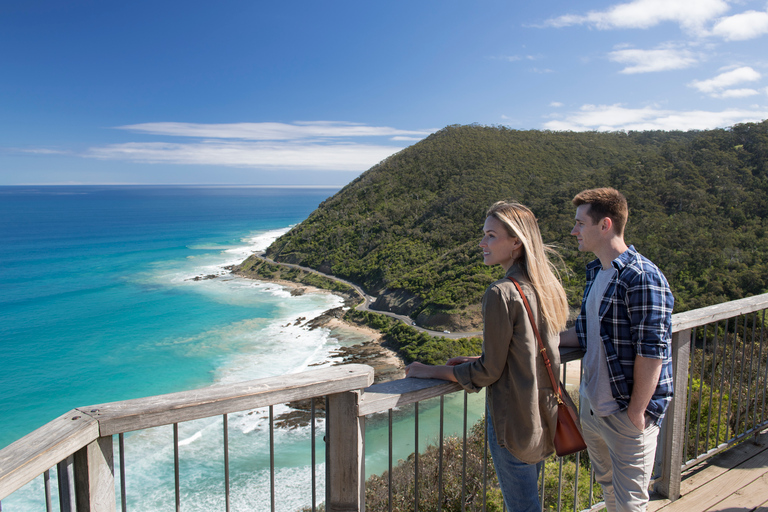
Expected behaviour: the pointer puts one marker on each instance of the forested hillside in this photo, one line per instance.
(408, 228)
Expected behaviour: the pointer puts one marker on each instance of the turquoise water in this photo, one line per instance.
(98, 304)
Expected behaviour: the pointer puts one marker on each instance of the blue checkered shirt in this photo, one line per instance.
(635, 319)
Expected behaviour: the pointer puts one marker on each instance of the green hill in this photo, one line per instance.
(407, 229)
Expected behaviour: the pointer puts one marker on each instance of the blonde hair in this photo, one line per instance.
(520, 222)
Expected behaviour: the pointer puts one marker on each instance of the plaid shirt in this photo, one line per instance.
(635, 319)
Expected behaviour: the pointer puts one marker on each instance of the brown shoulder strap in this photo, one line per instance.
(542, 349)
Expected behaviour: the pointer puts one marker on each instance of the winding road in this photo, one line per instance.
(368, 300)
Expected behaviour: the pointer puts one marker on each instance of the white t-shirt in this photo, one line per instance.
(596, 384)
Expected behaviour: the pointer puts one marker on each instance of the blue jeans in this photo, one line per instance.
(519, 481)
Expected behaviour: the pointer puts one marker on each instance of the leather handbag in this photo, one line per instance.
(568, 437)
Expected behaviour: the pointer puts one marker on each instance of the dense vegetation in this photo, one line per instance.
(407, 229)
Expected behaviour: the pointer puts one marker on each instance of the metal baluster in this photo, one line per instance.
(226, 462)
(464, 460)
(416, 461)
(559, 483)
(47, 486)
(123, 497)
(712, 385)
(314, 462)
(692, 359)
(440, 459)
(486, 419)
(758, 389)
(701, 390)
(271, 458)
(765, 376)
(722, 385)
(176, 465)
(741, 378)
(749, 376)
(66, 485)
(389, 472)
(730, 383)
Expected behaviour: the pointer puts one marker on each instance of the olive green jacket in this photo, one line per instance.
(520, 396)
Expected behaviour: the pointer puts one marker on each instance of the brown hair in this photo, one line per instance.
(520, 222)
(605, 202)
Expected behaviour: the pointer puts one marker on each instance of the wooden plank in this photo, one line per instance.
(141, 413)
(702, 498)
(707, 471)
(40, 450)
(709, 314)
(387, 395)
(751, 495)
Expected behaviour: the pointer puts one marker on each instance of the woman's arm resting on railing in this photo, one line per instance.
(424, 371)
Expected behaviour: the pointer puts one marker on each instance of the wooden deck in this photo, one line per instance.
(735, 480)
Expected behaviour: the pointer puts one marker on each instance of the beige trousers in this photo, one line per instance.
(622, 457)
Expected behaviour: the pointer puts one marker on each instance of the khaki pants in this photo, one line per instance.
(622, 457)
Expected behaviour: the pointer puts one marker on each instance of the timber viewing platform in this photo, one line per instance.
(712, 453)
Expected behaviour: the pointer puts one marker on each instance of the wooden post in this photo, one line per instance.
(345, 453)
(673, 428)
(95, 477)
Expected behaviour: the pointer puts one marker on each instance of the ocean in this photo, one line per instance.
(99, 303)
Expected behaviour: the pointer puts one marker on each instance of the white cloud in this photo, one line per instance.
(738, 93)
(556, 104)
(718, 87)
(320, 145)
(647, 61)
(690, 15)
(743, 26)
(271, 131)
(617, 118)
(275, 155)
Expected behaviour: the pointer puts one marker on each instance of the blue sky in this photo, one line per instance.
(314, 93)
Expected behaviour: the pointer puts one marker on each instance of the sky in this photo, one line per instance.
(300, 92)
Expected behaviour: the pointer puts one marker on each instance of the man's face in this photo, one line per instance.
(585, 230)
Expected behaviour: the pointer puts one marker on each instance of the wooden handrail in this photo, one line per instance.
(37, 452)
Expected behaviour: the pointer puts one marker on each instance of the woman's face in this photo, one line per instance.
(498, 247)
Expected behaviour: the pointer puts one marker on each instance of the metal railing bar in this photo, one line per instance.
(177, 479)
(272, 458)
(389, 462)
(741, 376)
(701, 391)
(712, 385)
(440, 458)
(757, 377)
(559, 484)
(464, 459)
(765, 376)
(692, 351)
(313, 456)
(486, 419)
(729, 414)
(722, 385)
(591, 486)
(225, 428)
(65, 475)
(123, 497)
(748, 398)
(416, 459)
(541, 485)
(47, 487)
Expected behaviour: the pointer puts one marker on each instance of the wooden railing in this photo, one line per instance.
(86, 433)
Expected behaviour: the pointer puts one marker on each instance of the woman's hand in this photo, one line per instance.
(418, 370)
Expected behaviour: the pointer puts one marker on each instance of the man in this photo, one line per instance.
(625, 329)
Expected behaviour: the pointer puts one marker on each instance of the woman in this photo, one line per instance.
(520, 400)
